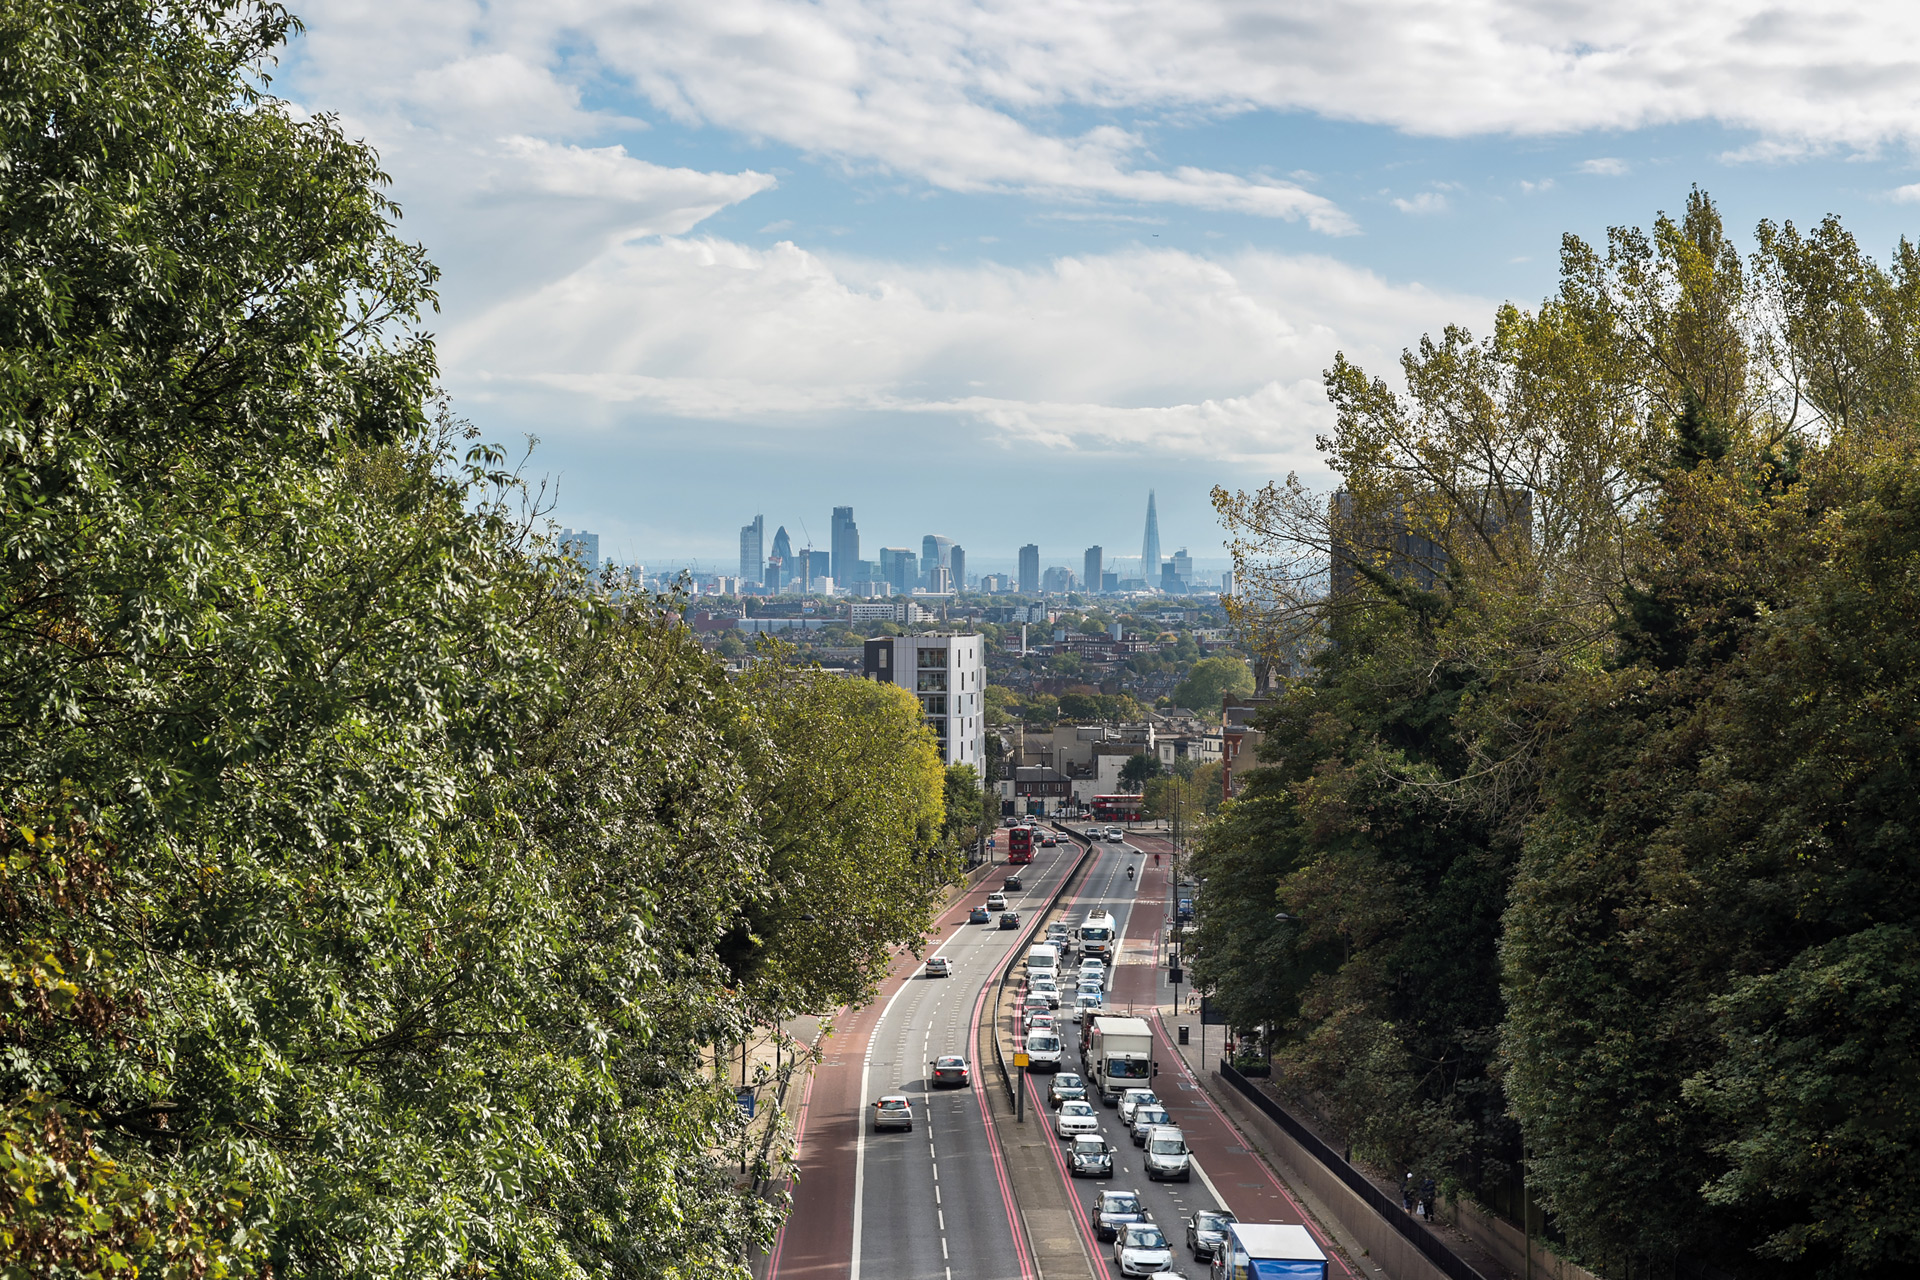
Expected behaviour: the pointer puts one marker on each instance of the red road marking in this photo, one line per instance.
(1015, 1225)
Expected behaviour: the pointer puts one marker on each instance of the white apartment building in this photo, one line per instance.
(948, 673)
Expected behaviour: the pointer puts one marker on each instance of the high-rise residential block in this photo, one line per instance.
(949, 676)
(1093, 566)
(957, 563)
(753, 549)
(1057, 580)
(1150, 544)
(1030, 569)
(582, 546)
(846, 545)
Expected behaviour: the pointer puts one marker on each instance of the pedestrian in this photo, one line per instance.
(1406, 1193)
(1427, 1192)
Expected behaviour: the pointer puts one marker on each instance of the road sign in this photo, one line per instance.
(1019, 1059)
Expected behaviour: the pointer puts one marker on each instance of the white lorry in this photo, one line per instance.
(1119, 1056)
(1259, 1250)
(1097, 936)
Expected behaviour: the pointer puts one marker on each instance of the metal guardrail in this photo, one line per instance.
(1006, 967)
(1429, 1244)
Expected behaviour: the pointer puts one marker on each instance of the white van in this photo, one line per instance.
(1043, 1051)
(1043, 956)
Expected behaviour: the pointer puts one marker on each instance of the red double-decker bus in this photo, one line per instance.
(1119, 808)
(1020, 844)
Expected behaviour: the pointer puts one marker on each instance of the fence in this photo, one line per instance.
(1018, 951)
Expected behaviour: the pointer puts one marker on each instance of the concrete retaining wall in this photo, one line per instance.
(1506, 1242)
(1385, 1247)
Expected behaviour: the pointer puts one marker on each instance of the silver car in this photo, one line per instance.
(1131, 1098)
(1140, 1250)
(1167, 1155)
(892, 1112)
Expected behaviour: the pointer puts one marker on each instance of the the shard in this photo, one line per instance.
(1150, 545)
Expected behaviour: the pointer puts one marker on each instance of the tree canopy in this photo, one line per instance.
(377, 896)
(1582, 833)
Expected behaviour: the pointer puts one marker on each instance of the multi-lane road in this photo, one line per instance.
(937, 1203)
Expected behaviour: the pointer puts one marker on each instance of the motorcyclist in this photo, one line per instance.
(1129, 871)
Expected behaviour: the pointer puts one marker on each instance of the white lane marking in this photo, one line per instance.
(1207, 1182)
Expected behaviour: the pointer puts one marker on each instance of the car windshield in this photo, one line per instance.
(1167, 1147)
(1150, 1116)
(1146, 1238)
(1076, 1109)
(1123, 1202)
(1066, 1080)
(1096, 935)
(1208, 1220)
(1089, 1146)
(1044, 1042)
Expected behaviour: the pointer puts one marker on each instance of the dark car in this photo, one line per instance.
(1090, 1156)
(1111, 1209)
(1012, 884)
(950, 1068)
(1207, 1231)
(1009, 919)
(1145, 1118)
(979, 915)
(1066, 1086)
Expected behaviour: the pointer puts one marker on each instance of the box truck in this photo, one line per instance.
(1119, 1056)
(1268, 1251)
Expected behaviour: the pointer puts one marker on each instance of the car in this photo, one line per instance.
(1067, 1085)
(1131, 1098)
(1112, 1210)
(1075, 1118)
(1167, 1156)
(939, 967)
(893, 1111)
(1086, 1003)
(1115, 835)
(1145, 1118)
(1010, 822)
(1049, 841)
(1185, 910)
(1012, 884)
(1043, 1049)
(951, 1068)
(1009, 919)
(1090, 1156)
(1207, 1231)
(996, 902)
(979, 915)
(1048, 988)
(1094, 970)
(1141, 1250)
(1040, 1020)
(1058, 933)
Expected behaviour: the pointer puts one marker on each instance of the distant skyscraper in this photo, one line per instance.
(933, 551)
(582, 546)
(1150, 545)
(1030, 570)
(1094, 562)
(957, 562)
(1183, 569)
(780, 564)
(753, 549)
(846, 545)
(899, 568)
(1057, 580)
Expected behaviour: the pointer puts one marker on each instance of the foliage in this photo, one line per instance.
(1139, 767)
(1108, 708)
(1589, 806)
(1210, 679)
(365, 879)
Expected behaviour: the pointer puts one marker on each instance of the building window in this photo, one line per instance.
(936, 704)
(932, 682)
(883, 659)
(933, 658)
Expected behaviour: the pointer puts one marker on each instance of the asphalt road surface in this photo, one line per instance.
(931, 1203)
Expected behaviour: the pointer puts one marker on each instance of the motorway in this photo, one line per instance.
(933, 1203)
(936, 1203)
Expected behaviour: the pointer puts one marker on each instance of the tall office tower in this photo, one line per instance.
(1030, 569)
(1183, 569)
(1150, 545)
(846, 545)
(582, 546)
(957, 562)
(783, 553)
(939, 580)
(752, 549)
(819, 566)
(933, 551)
(1226, 583)
(900, 568)
(1092, 575)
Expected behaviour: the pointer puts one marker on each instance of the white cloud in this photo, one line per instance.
(1533, 188)
(1145, 349)
(1424, 203)
(1909, 194)
(1603, 167)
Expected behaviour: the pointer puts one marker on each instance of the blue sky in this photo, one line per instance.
(995, 270)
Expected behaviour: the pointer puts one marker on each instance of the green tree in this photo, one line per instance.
(1139, 767)
(1210, 679)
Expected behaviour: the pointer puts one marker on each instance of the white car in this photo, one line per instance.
(1115, 835)
(1076, 1117)
(893, 1111)
(939, 967)
(1141, 1250)
(1086, 1003)
(1043, 1050)
(1131, 1098)
(1093, 970)
(1043, 987)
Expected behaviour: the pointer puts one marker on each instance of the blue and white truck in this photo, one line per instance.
(1268, 1251)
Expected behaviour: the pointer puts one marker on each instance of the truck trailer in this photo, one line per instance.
(1268, 1251)
(1119, 1056)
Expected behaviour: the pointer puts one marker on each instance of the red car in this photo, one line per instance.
(950, 1068)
